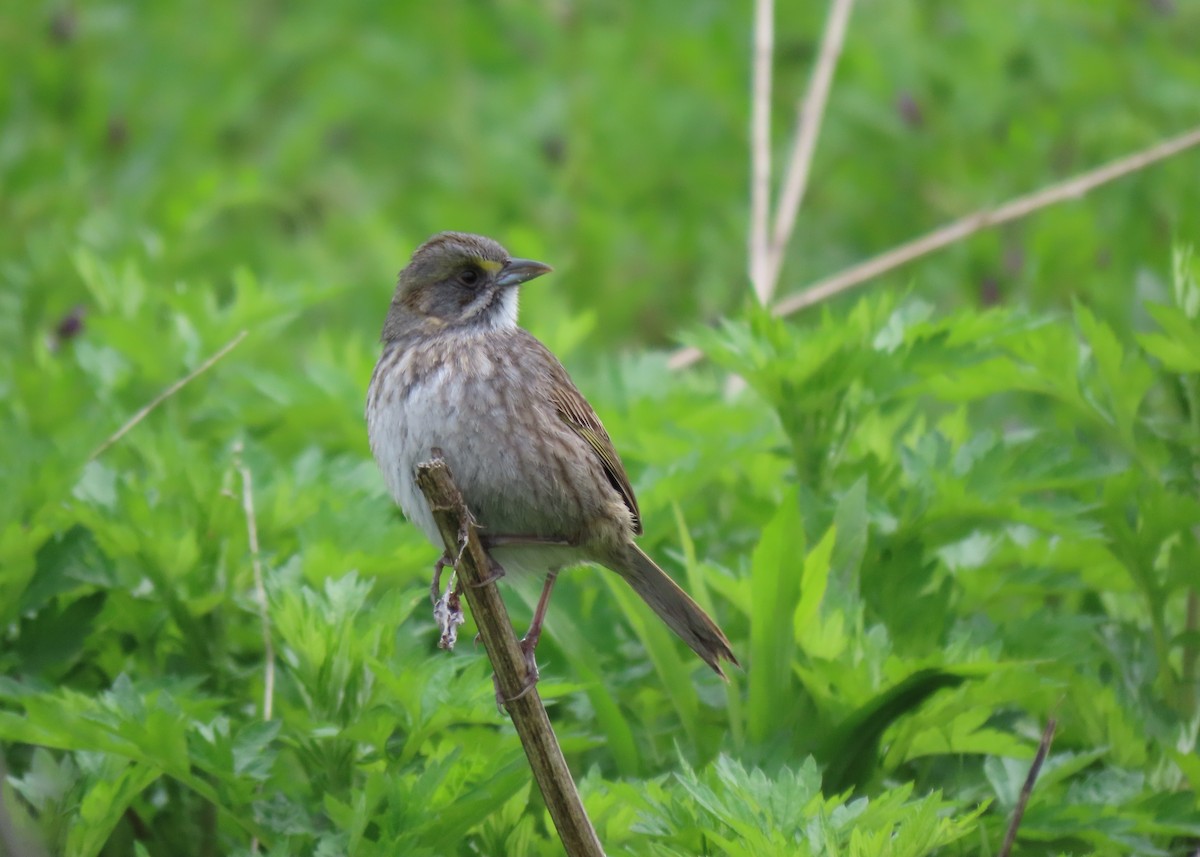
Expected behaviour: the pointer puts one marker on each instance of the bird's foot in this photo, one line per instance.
(527, 645)
(527, 649)
(495, 572)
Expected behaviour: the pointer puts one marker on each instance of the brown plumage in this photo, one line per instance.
(532, 459)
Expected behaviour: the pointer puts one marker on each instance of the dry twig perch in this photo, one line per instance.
(512, 676)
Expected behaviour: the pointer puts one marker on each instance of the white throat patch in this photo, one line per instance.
(504, 315)
(498, 312)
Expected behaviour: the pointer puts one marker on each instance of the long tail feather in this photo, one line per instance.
(682, 615)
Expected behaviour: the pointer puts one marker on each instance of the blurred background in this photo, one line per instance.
(313, 144)
(173, 173)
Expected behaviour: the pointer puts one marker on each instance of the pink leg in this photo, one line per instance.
(530, 640)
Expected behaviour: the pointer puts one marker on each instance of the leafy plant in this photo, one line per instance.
(929, 520)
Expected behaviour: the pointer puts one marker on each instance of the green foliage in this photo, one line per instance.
(988, 521)
(927, 527)
(1029, 493)
(735, 812)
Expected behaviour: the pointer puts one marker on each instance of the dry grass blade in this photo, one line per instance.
(260, 595)
(1072, 188)
(808, 129)
(170, 391)
(260, 589)
(760, 149)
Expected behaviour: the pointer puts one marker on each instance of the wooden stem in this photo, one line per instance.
(1010, 836)
(512, 675)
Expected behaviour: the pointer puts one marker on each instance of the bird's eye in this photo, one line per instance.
(469, 277)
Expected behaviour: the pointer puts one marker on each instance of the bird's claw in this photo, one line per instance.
(495, 572)
(531, 675)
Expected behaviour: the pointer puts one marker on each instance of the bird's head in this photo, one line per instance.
(459, 280)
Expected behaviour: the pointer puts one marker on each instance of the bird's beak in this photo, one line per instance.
(517, 271)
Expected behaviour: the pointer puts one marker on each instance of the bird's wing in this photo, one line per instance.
(575, 411)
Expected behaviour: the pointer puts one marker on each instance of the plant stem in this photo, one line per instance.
(524, 705)
(808, 127)
(760, 149)
(1010, 836)
(1064, 191)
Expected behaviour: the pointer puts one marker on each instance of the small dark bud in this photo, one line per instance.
(909, 110)
(63, 26)
(989, 291)
(116, 134)
(554, 149)
(1014, 260)
(68, 327)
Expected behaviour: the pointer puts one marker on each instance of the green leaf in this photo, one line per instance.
(1125, 379)
(104, 803)
(1185, 281)
(65, 561)
(852, 753)
(775, 572)
(813, 581)
(851, 522)
(1178, 346)
(51, 640)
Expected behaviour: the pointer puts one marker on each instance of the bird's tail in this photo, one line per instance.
(675, 607)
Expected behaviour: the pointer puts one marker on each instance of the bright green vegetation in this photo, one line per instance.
(928, 524)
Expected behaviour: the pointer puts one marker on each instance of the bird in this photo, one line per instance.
(535, 466)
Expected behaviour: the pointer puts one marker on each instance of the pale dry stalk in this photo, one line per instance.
(760, 149)
(809, 113)
(170, 391)
(958, 230)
